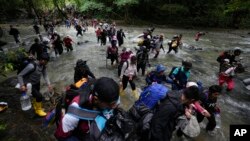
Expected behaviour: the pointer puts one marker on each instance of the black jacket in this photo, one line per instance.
(164, 120)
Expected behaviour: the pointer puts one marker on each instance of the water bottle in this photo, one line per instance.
(25, 102)
(29, 89)
(218, 120)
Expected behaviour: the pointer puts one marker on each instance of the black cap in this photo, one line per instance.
(106, 89)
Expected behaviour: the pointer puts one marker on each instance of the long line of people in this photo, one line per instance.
(157, 111)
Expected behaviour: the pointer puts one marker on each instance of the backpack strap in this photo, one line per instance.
(82, 113)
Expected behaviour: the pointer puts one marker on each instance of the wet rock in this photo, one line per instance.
(10, 82)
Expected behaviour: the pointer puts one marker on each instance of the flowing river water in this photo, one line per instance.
(235, 105)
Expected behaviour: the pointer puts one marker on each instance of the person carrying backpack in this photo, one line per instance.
(231, 55)
(32, 74)
(88, 112)
(180, 75)
(159, 45)
(174, 44)
(112, 52)
(36, 28)
(208, 99)
(68, 43)
(143, 109)
(157, 76)
(120, 36)
(142, 60)
(78, 29)
(13, 31)
(176, 104)
(128, 73)
(82, 70)
(124, 56)
(36, 49)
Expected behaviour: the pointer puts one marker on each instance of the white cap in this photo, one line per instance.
(189, 84)
(226, 60)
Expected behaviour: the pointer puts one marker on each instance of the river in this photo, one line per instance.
(234, 105)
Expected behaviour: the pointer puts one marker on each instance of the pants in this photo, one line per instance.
(120, 42)
(141, 66)
(173, 48)
(103, 41)
(36, 92)
(211, 121)
(98, 39)
(113, 58)
(16, 37)
(69, 48)
(79, 32)
(228, 80)
(120, 68)
(157, 53)
(125, 80)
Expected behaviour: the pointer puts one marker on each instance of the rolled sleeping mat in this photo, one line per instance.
(246, 81)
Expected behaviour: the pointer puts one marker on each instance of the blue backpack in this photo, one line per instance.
(151, 95)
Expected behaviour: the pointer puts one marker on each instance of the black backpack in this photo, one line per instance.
(22, 61)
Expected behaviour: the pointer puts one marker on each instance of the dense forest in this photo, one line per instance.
(186, 13)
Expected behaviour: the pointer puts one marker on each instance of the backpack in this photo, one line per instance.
(63, 102)
(22, 60)
(120, 127)
(172, 70)
(151, 95)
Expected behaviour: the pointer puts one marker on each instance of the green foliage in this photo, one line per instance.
(238, 6)
(121, 3)
(91, 6)
(173, 9)
(8, 60)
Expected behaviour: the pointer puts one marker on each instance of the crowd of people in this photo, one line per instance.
(157, 111)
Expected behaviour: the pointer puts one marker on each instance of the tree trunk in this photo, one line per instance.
(58, 8)
(28, 8)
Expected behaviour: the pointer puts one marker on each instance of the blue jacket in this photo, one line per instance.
(153, 77)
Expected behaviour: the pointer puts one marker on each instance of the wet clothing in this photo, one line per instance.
(124, 57)
(155, 77)
(173, 45)
(98, 35)
(68, 43)
(210, 106)
(120, 35)
(58, 46)
(164, 120)
(128, 71)
(15, 33)
(226, 55)
(180, 75)
(227, 77)
(79, 30)
(73, 128)
(142, 61)
(103, 37)
(36, 49)
(158, 46)
(112, 53)
(29, 75)
(84, 73)
(37, 29)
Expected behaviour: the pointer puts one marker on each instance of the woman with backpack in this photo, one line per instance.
(128, 73)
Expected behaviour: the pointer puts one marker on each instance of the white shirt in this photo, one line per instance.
(130, 71)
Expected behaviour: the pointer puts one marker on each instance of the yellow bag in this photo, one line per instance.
(174, 44)
(79, 83)
(140, 42)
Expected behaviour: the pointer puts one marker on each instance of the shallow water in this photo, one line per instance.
(234, 105)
